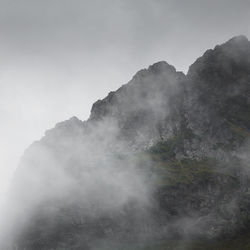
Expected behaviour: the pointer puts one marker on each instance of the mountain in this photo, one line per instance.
(162, 163)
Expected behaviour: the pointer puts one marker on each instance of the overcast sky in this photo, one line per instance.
(59, 56)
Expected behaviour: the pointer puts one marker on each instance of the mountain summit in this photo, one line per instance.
(165, 158)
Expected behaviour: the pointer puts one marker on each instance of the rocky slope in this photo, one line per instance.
(162, 159)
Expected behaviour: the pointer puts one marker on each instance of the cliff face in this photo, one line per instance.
(145, 108)
(219, 82)
(165, 156)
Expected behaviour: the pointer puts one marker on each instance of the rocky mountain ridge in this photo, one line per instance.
(164, 156)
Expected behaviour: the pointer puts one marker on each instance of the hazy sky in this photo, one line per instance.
(59, 56)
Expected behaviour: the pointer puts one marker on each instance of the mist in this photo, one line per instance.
(86, 49)
(95, 169)
(57, 59)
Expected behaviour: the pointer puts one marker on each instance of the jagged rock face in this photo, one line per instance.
(218, 93)
(146, 108)
(211, 100)
(165, 152)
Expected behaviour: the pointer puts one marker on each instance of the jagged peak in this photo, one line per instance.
(141, 77)
(237, 48)
(156, 68)
(236, 44)
(161, 66)
(241, 39)
(64, 126)
(75, 119)
(71, 121)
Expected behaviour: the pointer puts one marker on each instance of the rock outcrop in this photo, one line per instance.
(163, 157)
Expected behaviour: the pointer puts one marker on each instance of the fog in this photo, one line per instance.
(58, 57)
(93, 169)
(93, 184)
